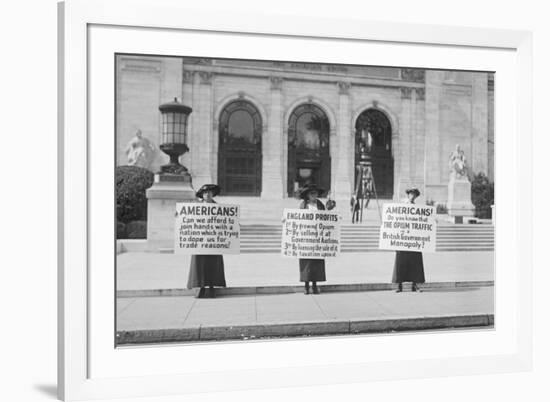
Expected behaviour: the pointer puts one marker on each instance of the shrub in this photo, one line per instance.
(483, 195)
(136, 230)
(120, 230)
(131, 183)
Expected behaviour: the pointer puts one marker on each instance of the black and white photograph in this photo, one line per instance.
(277, 199)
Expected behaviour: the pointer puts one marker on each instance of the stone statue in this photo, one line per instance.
(459, 195)
(140, 151)
(457, 164)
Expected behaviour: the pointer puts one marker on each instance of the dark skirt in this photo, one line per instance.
(409, 267)
(206, 270)
(312, 270)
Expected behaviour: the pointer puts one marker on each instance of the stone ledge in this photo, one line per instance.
(266, 290)
(284, 330)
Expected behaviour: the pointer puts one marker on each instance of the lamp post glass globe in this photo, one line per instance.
(174, 134)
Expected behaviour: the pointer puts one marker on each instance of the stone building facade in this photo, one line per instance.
(261, 129)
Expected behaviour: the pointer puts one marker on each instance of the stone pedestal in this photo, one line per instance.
(459, 198)
(167, 190)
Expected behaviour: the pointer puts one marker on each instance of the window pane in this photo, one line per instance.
(181, 131)
(241, 127)
(308, 132)
(169, 117)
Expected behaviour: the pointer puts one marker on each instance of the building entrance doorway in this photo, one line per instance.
(308, 148)
(373, 136)
(240, 150)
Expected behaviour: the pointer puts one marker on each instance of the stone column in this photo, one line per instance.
(412, 138)
(405, 155)
(420, 140)
(436, 188)
(194, 132)
(343, 187)
(171, 81)
(171, 87)
(204, 136)
(491, 127)
(479, 123)
(272, 144)
(187, 99)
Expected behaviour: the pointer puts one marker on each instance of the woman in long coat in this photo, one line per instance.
(409, 266)
(206, 270)
(311, 270)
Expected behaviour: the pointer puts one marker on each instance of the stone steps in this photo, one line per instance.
(355, 238)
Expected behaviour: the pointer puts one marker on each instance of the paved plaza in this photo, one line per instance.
(187, 319)
(263, 297)
(146, 271)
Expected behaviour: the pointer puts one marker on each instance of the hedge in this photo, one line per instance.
(483, 195)
(131, 203)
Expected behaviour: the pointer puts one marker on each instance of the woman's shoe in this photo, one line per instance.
(201, 293)
(211, 293)
(415, 288)
(399, 288)
(306, 288)
(316, 290)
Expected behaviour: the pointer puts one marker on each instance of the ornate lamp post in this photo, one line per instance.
(174, 135)
(173, 182)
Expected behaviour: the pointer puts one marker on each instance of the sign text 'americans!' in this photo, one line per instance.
(207, 229)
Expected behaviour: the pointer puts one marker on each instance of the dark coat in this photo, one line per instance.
(312, 269)
(206, 270)
(408, 267)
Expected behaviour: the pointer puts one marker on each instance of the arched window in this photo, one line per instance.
(373, 135)
(308, 148)
(240, 149)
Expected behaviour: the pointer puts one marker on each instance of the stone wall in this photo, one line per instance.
(143, 83)
(456, 113)
(430, 112)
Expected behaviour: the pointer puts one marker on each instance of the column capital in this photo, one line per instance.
(420, 94)
(406, 93)
(206, 77)
(276, 83)
(187, 76)
(343, 87)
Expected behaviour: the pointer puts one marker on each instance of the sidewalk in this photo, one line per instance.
(138, 272)
(187, 319)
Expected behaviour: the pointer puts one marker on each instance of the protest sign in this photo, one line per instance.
(206, 228)
(310, 234)
(408, 227)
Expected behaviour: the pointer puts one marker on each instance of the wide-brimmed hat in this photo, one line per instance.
(208, 187)
(413, 190)
(308, 188)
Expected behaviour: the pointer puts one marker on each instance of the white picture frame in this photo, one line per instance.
(86, 366)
